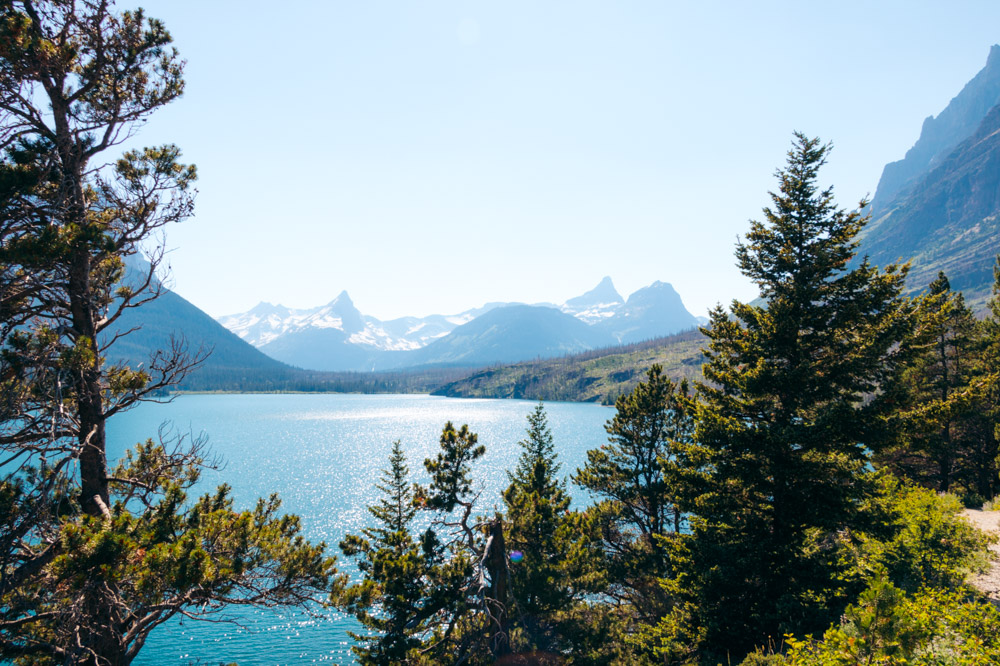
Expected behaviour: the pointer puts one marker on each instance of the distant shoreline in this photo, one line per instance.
(291, 392)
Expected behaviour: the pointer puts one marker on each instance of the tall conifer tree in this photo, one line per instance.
(789, 411)
(536, 503)
(988, 369)
(394, 599)
(946, 439)
(637, 480)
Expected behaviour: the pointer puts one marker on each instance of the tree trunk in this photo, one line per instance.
(496, 600)
(94, 498)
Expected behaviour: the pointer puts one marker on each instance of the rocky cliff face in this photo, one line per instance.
(600, 303)
(940, 135)
(950, 220)
(650, 312)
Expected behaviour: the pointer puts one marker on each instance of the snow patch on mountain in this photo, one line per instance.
(266, 322)
(599, 304)
(654, 310)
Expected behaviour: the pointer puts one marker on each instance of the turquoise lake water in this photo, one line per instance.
(323, 455)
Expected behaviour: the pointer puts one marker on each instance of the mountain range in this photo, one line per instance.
(170, 319)
(338, 337)
(938, 206)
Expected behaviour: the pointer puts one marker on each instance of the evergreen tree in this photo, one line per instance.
(394, 599)
(537, 449)
(788, 413)
(988, 371)
(95, 558)
(536, 504)
(471, 625)
(946, 441)
(639, 478)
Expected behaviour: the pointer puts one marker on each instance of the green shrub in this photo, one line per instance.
(762, 658)
(887, 627)
(918, 539)
(973, 500)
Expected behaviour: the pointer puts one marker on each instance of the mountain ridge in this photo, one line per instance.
(947, 218)
(941, 134)
(337, 337)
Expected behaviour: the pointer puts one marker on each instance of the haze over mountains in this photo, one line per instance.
(337, 336)
(939, 206)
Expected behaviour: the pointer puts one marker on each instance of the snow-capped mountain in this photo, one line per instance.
(649, 313)
(599, 304)
(336, 336)
(265, 323)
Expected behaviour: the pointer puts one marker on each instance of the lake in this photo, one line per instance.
(323, 454)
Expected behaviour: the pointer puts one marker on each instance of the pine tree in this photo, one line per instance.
(393, 599)
(537, 449)
(988, 370)
(946, 442)
(472, 623)
(638, 479)
(536, 504)
(788, 414)
(93, 557)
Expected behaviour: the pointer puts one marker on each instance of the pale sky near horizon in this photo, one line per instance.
(431, 157)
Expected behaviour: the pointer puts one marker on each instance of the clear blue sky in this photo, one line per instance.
(429, 157)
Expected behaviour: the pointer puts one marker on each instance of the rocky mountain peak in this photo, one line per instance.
(264, 309)
(341, 313)
(603, 294)
(941, 134)
(994, 58)
(342, 299)
(656, 293)
(336, 336)
(650, 312)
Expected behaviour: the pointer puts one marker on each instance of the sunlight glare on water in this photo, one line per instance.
(323, 454)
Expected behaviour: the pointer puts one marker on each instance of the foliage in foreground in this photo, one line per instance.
(94, 557)
(888, 627)
(769, 466)
(411, 596)
(783, 418)
(569, 602)
(947, 399)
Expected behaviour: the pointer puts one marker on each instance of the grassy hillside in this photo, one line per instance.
(594, 376)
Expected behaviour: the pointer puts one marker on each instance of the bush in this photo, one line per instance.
(887, 627)
(762, 658)
(918, 539)
(973, 500)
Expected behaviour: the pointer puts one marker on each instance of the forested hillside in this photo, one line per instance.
(594, 376)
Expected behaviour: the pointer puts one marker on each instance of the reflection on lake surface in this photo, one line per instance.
(323, 455)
